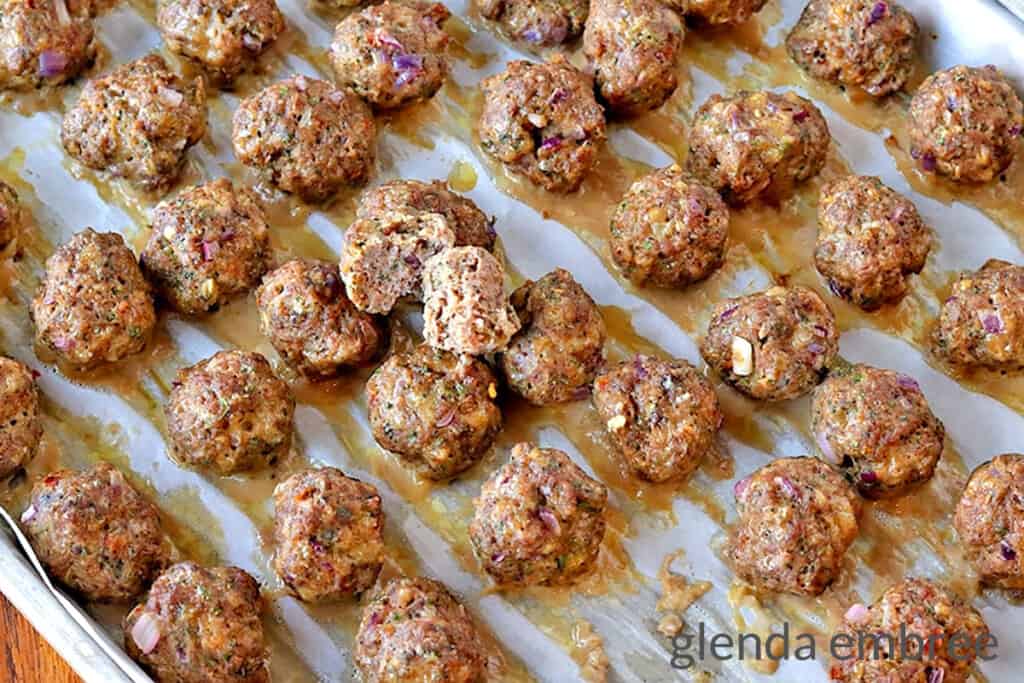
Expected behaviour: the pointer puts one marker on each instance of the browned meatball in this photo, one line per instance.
(93, 305)
(797, 517)
(542, 23)
(774, 345)
(309, 319)
(661, 416)
(392, 53)
(965, 123)
(716, 12)
(982, 321)
(434, 409)
(200, 625)
(539, 519)
(43, 44)
(990, 521)
(866, 44)
(633, 47)
(556, 354)
(870, 240)
(878, 428)
(757, 144)
(224, 37)
(229, 413)
(472, 227)
(21, 427)
(922, 612)
(95, 533)
(137, 123)
(541, 120)
(208, 245)
(306, 137)
(11, 214)
(669, 230)
(328, 530)
(415, 630)
(465, 307)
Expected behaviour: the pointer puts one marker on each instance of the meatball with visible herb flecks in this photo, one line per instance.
(718, 12)
(20, 425)
(990, 521)
(538, 23)
(42, 44)
(11, 214)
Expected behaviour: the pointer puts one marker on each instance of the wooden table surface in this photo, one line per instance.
(27, 658)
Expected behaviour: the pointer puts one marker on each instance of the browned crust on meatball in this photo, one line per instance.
(21, 426)
(718, 12)
(540, 23)
(43, 43)
(990, 521)
(12, 216)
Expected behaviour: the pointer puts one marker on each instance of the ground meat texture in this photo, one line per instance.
(416, 630)
(309, 319)
(229, 413)
(774, 345)
(208, 245)
(796, 518)
(877, 427)
(542, 121)
(225, 37)
(924, 612)
(757, 144)
(716, 12)
(990, 521)
(982, 321)
(306, 137)
(465, 307)
(633, 47)
(21, 427)
(965, 123)
(95, 533)
(870, 240)
(137, 123)
(661, 416)
(93, 305)
(541, 23)
(43, 44)
(669, 230)
(864, 44)
(472, 227)
(539, 519)
(328, 531)
(200, 625)
(556, 354)
(393, 53)
(11, 214)
(434, 409)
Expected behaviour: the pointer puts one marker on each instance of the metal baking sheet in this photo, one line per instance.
(544, 635)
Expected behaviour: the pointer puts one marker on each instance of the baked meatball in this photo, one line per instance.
(93, 305)
(383, 256)
(540, 23)
(669, 230)
(137, 123)
(224, 37)
(306, 137)
(716, 12)
(11, 214)
(207, 246)
(21, 427)
(990, 521)
(472, 227)
(200, 625)
(796, 518)
(774, 345)
(863, 44)
(877, 427)
(309, 319)
(870, 240)
(229, 413)
(328, 531)
(556, 354)
(392, 53)
(965, 123)
(982, 321)
(661, 416)
(465, 307)
(542, 121)
(416, 630)
(539, 519)
(95, 533)
(43, 44)
(633, 48)
(927, 616)
(757, 144)
(434, 409)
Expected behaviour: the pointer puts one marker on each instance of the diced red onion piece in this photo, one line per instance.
(908, 382)
(551, 143)
(170, 97)
(549, 519)
(801, 115)
(209, 249)
(1016, 130)
(740, 487)
(1009, 554)
(385, 38)
(146, 632)
(815, 347)
(52, 63)
(532, 36)
(928, 162)
(28, 514)
(251, 42)
(877, 13)
(993, 323)
(446, 419)
(856, 614)
(787, 486)
(826, 447)
(869, 477)
(936, 675)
